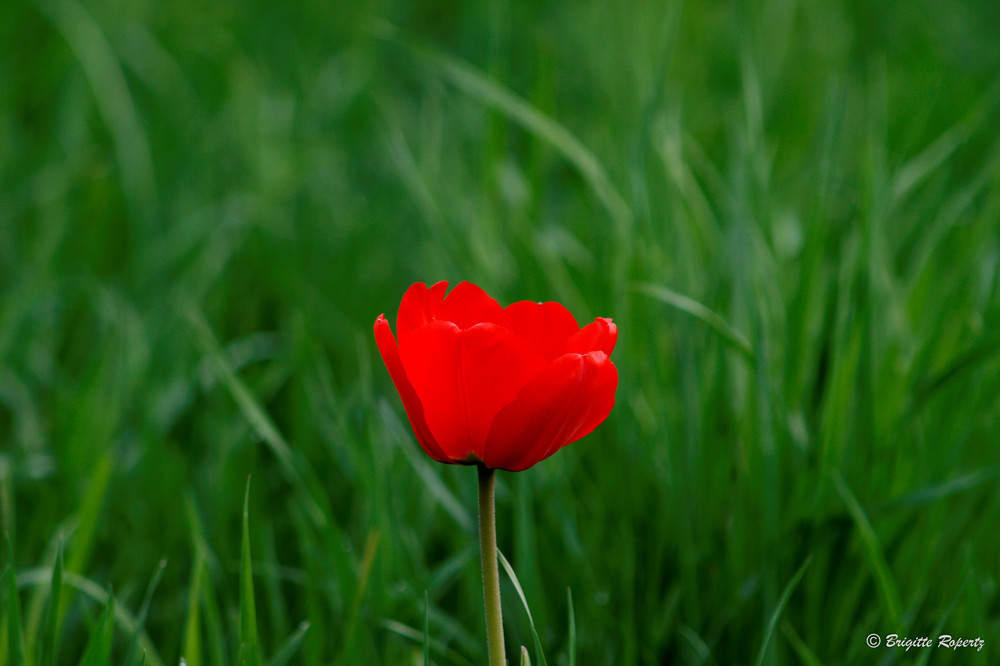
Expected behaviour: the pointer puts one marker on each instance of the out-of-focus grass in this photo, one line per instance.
(792, 210)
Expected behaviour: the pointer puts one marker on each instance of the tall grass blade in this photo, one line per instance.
(572, 626)
(135, 652)
(776, 615)
(255, 414)
(87, 518)
(427, 630)
(364, 573)
(15, 629)
(873, 550)
(99, 648)
(215, 645)
(201, 598)
(50, 637)
(249, 645)
(192, 627)
(524, 602)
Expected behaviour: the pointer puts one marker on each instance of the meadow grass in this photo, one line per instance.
(790, 209)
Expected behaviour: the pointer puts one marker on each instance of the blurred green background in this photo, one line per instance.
(790, 208)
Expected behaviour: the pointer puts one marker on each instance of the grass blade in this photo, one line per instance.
(291, 646)
(572, 627)
(192, 631)
(49, 639)
(201, 598)
(883, 578)
(256, 415)
(714, 321)
(802, 651)
(249, 645)
(432, 480)
(776, 615)
(448, 655)
(99, 648)
(517, 586)
(364, 574)
(88, 517)
(214, 633)
(525, 659)
(104, 72)
(135, 652)
(479, 86)
(427, 630)
(124, 619)
(15, 630)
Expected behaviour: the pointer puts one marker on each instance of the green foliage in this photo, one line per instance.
(791, 210)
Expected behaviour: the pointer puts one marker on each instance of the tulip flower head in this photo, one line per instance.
(501, 387)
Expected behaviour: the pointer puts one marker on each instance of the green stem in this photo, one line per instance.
(491, 574)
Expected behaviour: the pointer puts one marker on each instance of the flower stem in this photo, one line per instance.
(491, 574)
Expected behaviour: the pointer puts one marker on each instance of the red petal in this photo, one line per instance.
(601, 335)
(466, 306)
(564, 403)
(418, 306)
(414, 410)
(464, 377)
(548, 326)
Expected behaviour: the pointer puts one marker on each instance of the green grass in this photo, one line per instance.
(791, 209)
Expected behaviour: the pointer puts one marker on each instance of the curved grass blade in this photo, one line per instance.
(123, 617)
(939, 627)
(305, 485)
(517, 586)
(117, 108)
(776, 615)
(696, 643)
(452, 506)
(873, 550)
(805, 654)
(135, 652)
(714, 321)
(249, 644)
(478, 85)
(448, 655)
(99, 648)
(291, 646)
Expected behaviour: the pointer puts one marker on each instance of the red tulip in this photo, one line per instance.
(505, 387)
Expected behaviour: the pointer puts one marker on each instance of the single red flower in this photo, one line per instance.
(505, 387)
